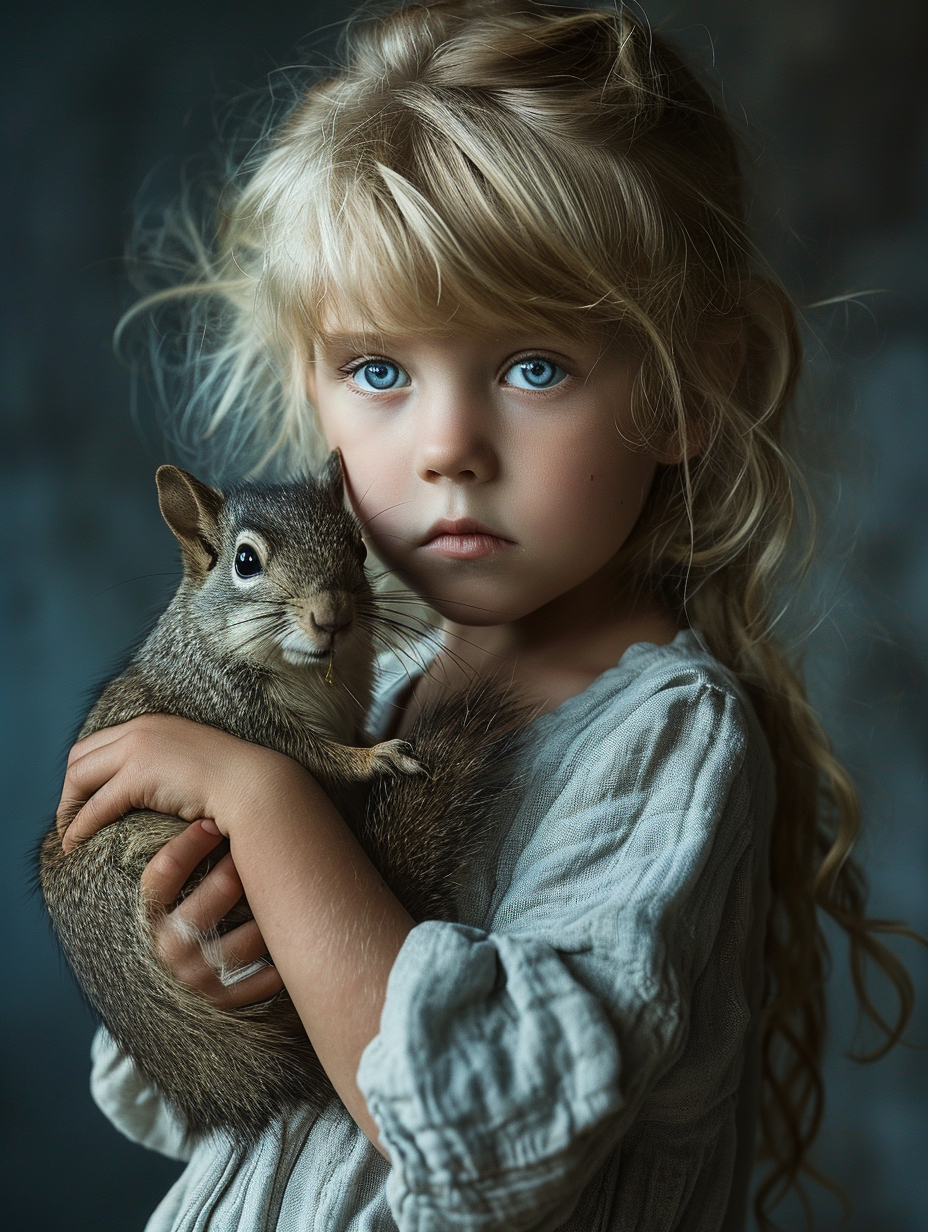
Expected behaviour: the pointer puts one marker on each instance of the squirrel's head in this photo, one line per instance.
(272, 569)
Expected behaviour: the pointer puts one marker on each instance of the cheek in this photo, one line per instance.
(374, 479)
(372, 493)
(342, 431)
(589, 493)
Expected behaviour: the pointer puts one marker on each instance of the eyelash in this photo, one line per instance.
(548, 358)
(355, 365)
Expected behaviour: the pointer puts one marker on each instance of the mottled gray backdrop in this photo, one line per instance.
(100, 99)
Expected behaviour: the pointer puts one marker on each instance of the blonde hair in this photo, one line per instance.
(544, 165)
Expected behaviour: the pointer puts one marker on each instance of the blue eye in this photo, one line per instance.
(380, 374)
(535, 373)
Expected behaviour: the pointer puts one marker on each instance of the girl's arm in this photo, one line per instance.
(330, 923)
(622, 963)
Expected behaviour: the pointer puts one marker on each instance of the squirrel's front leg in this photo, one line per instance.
(348, 764)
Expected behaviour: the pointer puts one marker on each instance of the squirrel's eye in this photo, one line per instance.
(362, 549)
(247, 563)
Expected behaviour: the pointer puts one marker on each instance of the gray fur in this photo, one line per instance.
(250, 656)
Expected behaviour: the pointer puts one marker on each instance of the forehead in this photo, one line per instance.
(355, 312)
(359, 334)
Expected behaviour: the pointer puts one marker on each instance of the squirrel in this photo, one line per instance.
(271, 637)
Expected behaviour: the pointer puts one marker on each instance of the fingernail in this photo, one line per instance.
(209, 825)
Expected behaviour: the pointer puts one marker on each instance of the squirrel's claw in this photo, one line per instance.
(395, 757)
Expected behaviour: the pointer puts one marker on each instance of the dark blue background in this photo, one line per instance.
(97, 98)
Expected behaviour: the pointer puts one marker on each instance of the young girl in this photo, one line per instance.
(501, 255)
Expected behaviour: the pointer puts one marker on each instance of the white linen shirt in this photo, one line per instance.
(580, 1052)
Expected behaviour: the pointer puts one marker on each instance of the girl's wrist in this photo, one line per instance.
(269, 788)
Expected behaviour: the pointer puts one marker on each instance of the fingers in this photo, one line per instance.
(184, 937)
(96, 740)
(228, 970)
(242, 946)
(213, 898)
(77, 820)
(250, 991)
(94, 792)
(192, 960)
(158, 762)
(91, 763)
(239, 961)
(67, 810)
(168, 872)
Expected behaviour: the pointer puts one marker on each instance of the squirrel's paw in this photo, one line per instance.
(395, 757)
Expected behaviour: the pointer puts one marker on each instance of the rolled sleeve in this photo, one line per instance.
(511, 1061)
(487, 1079)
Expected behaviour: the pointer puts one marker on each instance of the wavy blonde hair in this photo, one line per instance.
(521, 162)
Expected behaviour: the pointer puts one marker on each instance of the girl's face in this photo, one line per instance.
(494, 473)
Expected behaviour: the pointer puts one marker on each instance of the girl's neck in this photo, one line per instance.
(549, 654)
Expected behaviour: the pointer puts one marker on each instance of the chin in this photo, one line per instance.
(478, 610)
(465, 597)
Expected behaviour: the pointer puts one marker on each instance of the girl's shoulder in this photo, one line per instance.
(666, 700)
(662, 722)
(682, 672)
(637, 795)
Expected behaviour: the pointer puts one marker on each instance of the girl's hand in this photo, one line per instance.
(332, 924)
(166, 764)
(179, 931)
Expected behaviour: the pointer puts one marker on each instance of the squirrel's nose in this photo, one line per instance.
(330, 612)
(332, 626)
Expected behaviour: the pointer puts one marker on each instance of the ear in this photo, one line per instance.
(333, 477)
(192, 511)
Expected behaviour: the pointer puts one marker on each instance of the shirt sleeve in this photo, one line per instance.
(136, 1109)
(510, 1061)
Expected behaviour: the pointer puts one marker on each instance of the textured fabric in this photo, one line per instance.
(580, 1051)
(121, 1092)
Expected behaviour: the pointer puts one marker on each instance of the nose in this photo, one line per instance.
(327, 613)
(456, 438)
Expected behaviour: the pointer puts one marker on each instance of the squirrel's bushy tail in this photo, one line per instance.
(424, 831)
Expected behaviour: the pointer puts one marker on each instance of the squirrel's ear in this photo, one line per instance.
(192, 510)
(333, 477)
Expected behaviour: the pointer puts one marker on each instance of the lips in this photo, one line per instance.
(463, 539)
